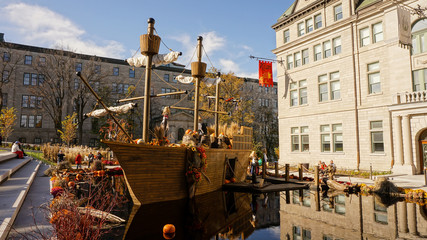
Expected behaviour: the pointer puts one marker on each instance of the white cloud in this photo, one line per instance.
(212, 42)
(39, 26)
(228, 65)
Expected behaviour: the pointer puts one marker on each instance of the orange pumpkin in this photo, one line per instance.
(71, 184)
(227, 181)
(79, 177)
(169, 231)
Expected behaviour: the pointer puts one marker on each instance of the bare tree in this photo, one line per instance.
(9, 61)
(56, 76)
(266, 129)
(81, 96)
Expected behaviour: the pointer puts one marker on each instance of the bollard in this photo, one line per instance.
(276, 169)
(288, 197)
(287, 172)
(316, 176)
(300, 171)
(370, 171)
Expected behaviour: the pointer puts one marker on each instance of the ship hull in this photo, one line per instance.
(157, 174)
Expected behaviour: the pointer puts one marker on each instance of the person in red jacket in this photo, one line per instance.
(79, 161)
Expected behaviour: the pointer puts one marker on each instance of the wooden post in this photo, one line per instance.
(146, 120)
(217, 108)
(316, 176)
(370, 171)
(317, 199)
(264, 169)
(276, 169)
(287, 171)
(199, 73)
(300, 172)
(288, 197)
(425, 175)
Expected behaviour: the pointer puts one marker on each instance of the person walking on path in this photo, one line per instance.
(90, 158)
(60, 157)
(78, 161)
(16, 149)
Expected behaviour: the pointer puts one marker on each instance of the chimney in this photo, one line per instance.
(1, 37)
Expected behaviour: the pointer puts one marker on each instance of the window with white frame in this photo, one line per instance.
(364, 37)
(327, 49)
(331, 138)
(317, 52)
(289, 62)
(374, 79)
(286, 36)
(419, 36)
(301, 28)
(298, 93)
(302, 92)
(419, 80)
(336, 44)
(377, 32)
(305, 57)
(297, 57)
(295, 139)
(331, 84)
(317, 21)
(377, 142)
(309, 25)
(338, 12)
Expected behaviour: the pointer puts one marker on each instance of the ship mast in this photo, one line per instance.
(198, 71)
(150, 45)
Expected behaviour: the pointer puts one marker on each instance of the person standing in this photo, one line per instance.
(78, 161)
(60, 157)
(90, 159)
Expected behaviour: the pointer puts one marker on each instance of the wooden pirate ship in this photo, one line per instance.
(163, 173)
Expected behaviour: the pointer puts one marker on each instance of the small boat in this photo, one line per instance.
(162, 173)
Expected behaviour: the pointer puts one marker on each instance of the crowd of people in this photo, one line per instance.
(78, 160)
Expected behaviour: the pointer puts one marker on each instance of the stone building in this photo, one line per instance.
(351, 89)
(113, 80)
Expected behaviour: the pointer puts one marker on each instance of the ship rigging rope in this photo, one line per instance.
(207, 56)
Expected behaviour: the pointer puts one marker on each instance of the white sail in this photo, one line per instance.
(158, 59)
(208, 81)
(119, 110)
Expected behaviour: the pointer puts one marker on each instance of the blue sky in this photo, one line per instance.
(232, 30)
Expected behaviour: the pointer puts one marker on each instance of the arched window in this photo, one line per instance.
(419, 36)
(419, 45)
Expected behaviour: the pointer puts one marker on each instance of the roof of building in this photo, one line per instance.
(365, 3)
(289, 11)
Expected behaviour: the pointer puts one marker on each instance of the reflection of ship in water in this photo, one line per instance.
(308, 215)
(222, 214)
(267, 208)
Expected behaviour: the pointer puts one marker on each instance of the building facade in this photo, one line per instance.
(112, 79)
(349, 90)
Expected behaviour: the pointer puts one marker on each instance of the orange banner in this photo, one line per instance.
(265, 74)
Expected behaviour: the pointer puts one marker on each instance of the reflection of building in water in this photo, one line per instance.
(303, 216)
(267, 214)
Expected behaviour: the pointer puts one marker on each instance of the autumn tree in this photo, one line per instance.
(266, 129)
(69, 129)
(9, 61)
(233, 99)
(7, 121)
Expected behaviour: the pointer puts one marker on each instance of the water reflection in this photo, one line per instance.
(331, 216)
(297, 215)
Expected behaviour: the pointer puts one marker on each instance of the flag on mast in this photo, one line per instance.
(265, 73)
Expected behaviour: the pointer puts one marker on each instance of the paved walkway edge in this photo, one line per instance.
(7, 175)
(8, 222)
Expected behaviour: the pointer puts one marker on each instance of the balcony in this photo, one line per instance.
(410, 97)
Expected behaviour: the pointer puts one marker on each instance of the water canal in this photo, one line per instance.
(299, 214)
